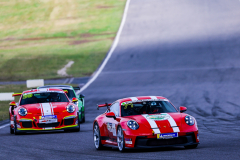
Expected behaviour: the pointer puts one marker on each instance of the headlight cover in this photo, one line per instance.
(189, 120)
(70, 108)
(132, 125)
(22, 112)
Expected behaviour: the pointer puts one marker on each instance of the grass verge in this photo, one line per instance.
(4, 105)
(39, 37)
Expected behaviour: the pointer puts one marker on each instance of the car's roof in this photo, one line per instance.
(43, 90)
(142, 98)
(57, 86)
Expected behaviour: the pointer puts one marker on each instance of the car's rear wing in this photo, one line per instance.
(16, 94)
(76, 88)
(103, 105)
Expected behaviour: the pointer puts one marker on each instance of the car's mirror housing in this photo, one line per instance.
(111, 115)
(182, 109)
(13, 103)
(74, 99)
(81, 96)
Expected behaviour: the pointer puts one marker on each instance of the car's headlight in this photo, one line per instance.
(22, 112)
(189, 120)
(132, 124)
(70, 108)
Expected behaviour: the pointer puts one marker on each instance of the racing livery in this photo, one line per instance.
(43, 109)
(71, 94)
(150, 121)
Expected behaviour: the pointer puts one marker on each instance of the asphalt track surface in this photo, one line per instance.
(185, 50)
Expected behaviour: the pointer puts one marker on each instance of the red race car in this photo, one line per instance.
(43, 109)
(138, 122)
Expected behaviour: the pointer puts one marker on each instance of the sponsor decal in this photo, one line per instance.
(48, 117)
(158, 117)
(128, 140)
(167, 135)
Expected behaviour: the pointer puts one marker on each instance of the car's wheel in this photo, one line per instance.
(11, 129)
(78, 129)
(83, 117)
(120, 139)
(97, 138)
(191, 146)
(16, 132)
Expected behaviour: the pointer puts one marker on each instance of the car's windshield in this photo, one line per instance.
(146, 107)
(70, 93)
(43, 97)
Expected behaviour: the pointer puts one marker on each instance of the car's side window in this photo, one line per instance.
(115, 108)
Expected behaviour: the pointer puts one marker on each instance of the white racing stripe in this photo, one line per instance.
(46, 108)
(43, 89)
(153, 97)
(152, 124)
(133, 98)
(52, 108)
(173, 124)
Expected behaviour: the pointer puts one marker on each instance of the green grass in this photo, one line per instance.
(4, 105)
(39, 37)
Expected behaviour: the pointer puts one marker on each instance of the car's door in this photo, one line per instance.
(111, 123)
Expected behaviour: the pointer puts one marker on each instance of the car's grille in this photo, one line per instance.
(143, 141)
(45, 125)
(68, 121)
(161, 142)
(27, 124)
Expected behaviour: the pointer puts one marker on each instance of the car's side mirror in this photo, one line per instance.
(74, 100)
(111, 115)
(81, 96)
(182, 109)
(12, 105)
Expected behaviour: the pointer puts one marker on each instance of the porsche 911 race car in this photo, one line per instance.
(144, 122)
(43, 109)
(71, 94)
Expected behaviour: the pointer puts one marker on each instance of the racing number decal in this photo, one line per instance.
(126, 105)
(27, 96)
(112, 128)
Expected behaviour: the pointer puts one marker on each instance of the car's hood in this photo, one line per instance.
(46, 108)
(164, 122)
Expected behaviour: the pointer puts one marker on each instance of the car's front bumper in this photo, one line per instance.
(151, 141)
(33, 125)
(143, 142)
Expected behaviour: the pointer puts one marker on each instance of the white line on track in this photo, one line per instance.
(4, 126)
(110, 52)
(71, 80)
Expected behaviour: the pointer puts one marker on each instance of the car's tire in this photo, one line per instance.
(16, 132)
(11, 129)
(97, 137)
(120, 139)
(78, 129)
(83, 117)
(191, 146)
